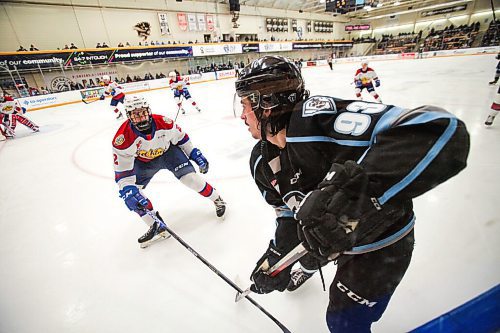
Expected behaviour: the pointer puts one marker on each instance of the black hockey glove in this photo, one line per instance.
(331, 217)
(264, 283)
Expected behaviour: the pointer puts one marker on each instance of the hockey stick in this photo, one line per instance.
(215, 270)
(179, 108)
(298, 252)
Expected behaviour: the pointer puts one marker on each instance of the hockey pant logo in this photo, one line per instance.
(177, 168)
(356, 298)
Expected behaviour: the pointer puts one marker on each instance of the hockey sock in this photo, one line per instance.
(25, 121)
(196, 183)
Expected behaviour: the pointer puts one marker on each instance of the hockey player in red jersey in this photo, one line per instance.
(12, 112)
(179, 86)
(341, 176)
(495, 108)
(147, 143)
(117, 95)
(363, 80)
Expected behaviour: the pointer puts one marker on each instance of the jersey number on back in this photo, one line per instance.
(357, 120)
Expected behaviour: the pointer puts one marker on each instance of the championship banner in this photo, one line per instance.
(164, 28)
(182, 21)
(210, 22)
(192, 22)
(201, 22)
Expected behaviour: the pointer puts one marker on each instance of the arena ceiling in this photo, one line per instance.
(384, 6)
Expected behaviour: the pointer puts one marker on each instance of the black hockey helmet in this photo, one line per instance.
(271, 83)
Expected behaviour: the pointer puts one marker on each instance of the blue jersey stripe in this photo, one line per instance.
(255, 165)
(423, 164)
(383, 242)
(353, 143)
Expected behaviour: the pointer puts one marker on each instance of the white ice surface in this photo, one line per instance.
(69, 259)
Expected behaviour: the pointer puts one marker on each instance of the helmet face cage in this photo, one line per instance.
(138, 112)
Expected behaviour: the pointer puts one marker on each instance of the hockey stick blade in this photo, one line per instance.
(215, 270)
(298, 252)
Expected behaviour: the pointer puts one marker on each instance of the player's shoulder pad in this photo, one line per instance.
(163, 122)
(124, 137)
(369, 69)
(358, 71)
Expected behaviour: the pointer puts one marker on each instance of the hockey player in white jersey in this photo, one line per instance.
(179, 86)
(363, 80)
(117, 95)
(147, 143)
(12, 112)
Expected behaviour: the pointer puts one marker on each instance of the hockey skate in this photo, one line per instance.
(220, 208)
(492, 83)
(298, 278)
(197, 108)
(155, 233)
(489, 121)
(120, 116)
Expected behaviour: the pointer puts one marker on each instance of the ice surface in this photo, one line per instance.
(69, 258)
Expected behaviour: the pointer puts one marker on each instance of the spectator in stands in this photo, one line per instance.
(43, 91)
(21, 48)
(33, 48)
(127, 44)
(73, 46)
(120, 44)
(66, 47)
(104, 45)
(146, 43)
(128, 79)
(33, 91)
(98, 46)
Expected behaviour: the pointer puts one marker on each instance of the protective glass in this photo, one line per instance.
(246, 103)
(252, 100)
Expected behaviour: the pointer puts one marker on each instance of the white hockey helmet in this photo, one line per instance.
(364, 62)
(138, 112)
(172, 75)
(106, 78)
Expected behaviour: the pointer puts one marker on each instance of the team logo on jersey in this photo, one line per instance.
(167, 120)
(8, 108)
(120, 139)
(318, 105)
(151, 153)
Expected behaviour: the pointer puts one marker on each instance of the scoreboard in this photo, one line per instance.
(345, 6)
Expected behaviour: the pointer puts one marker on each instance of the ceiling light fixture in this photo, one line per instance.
(417, 9)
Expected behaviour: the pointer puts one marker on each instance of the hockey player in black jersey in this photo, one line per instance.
(341, 176)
